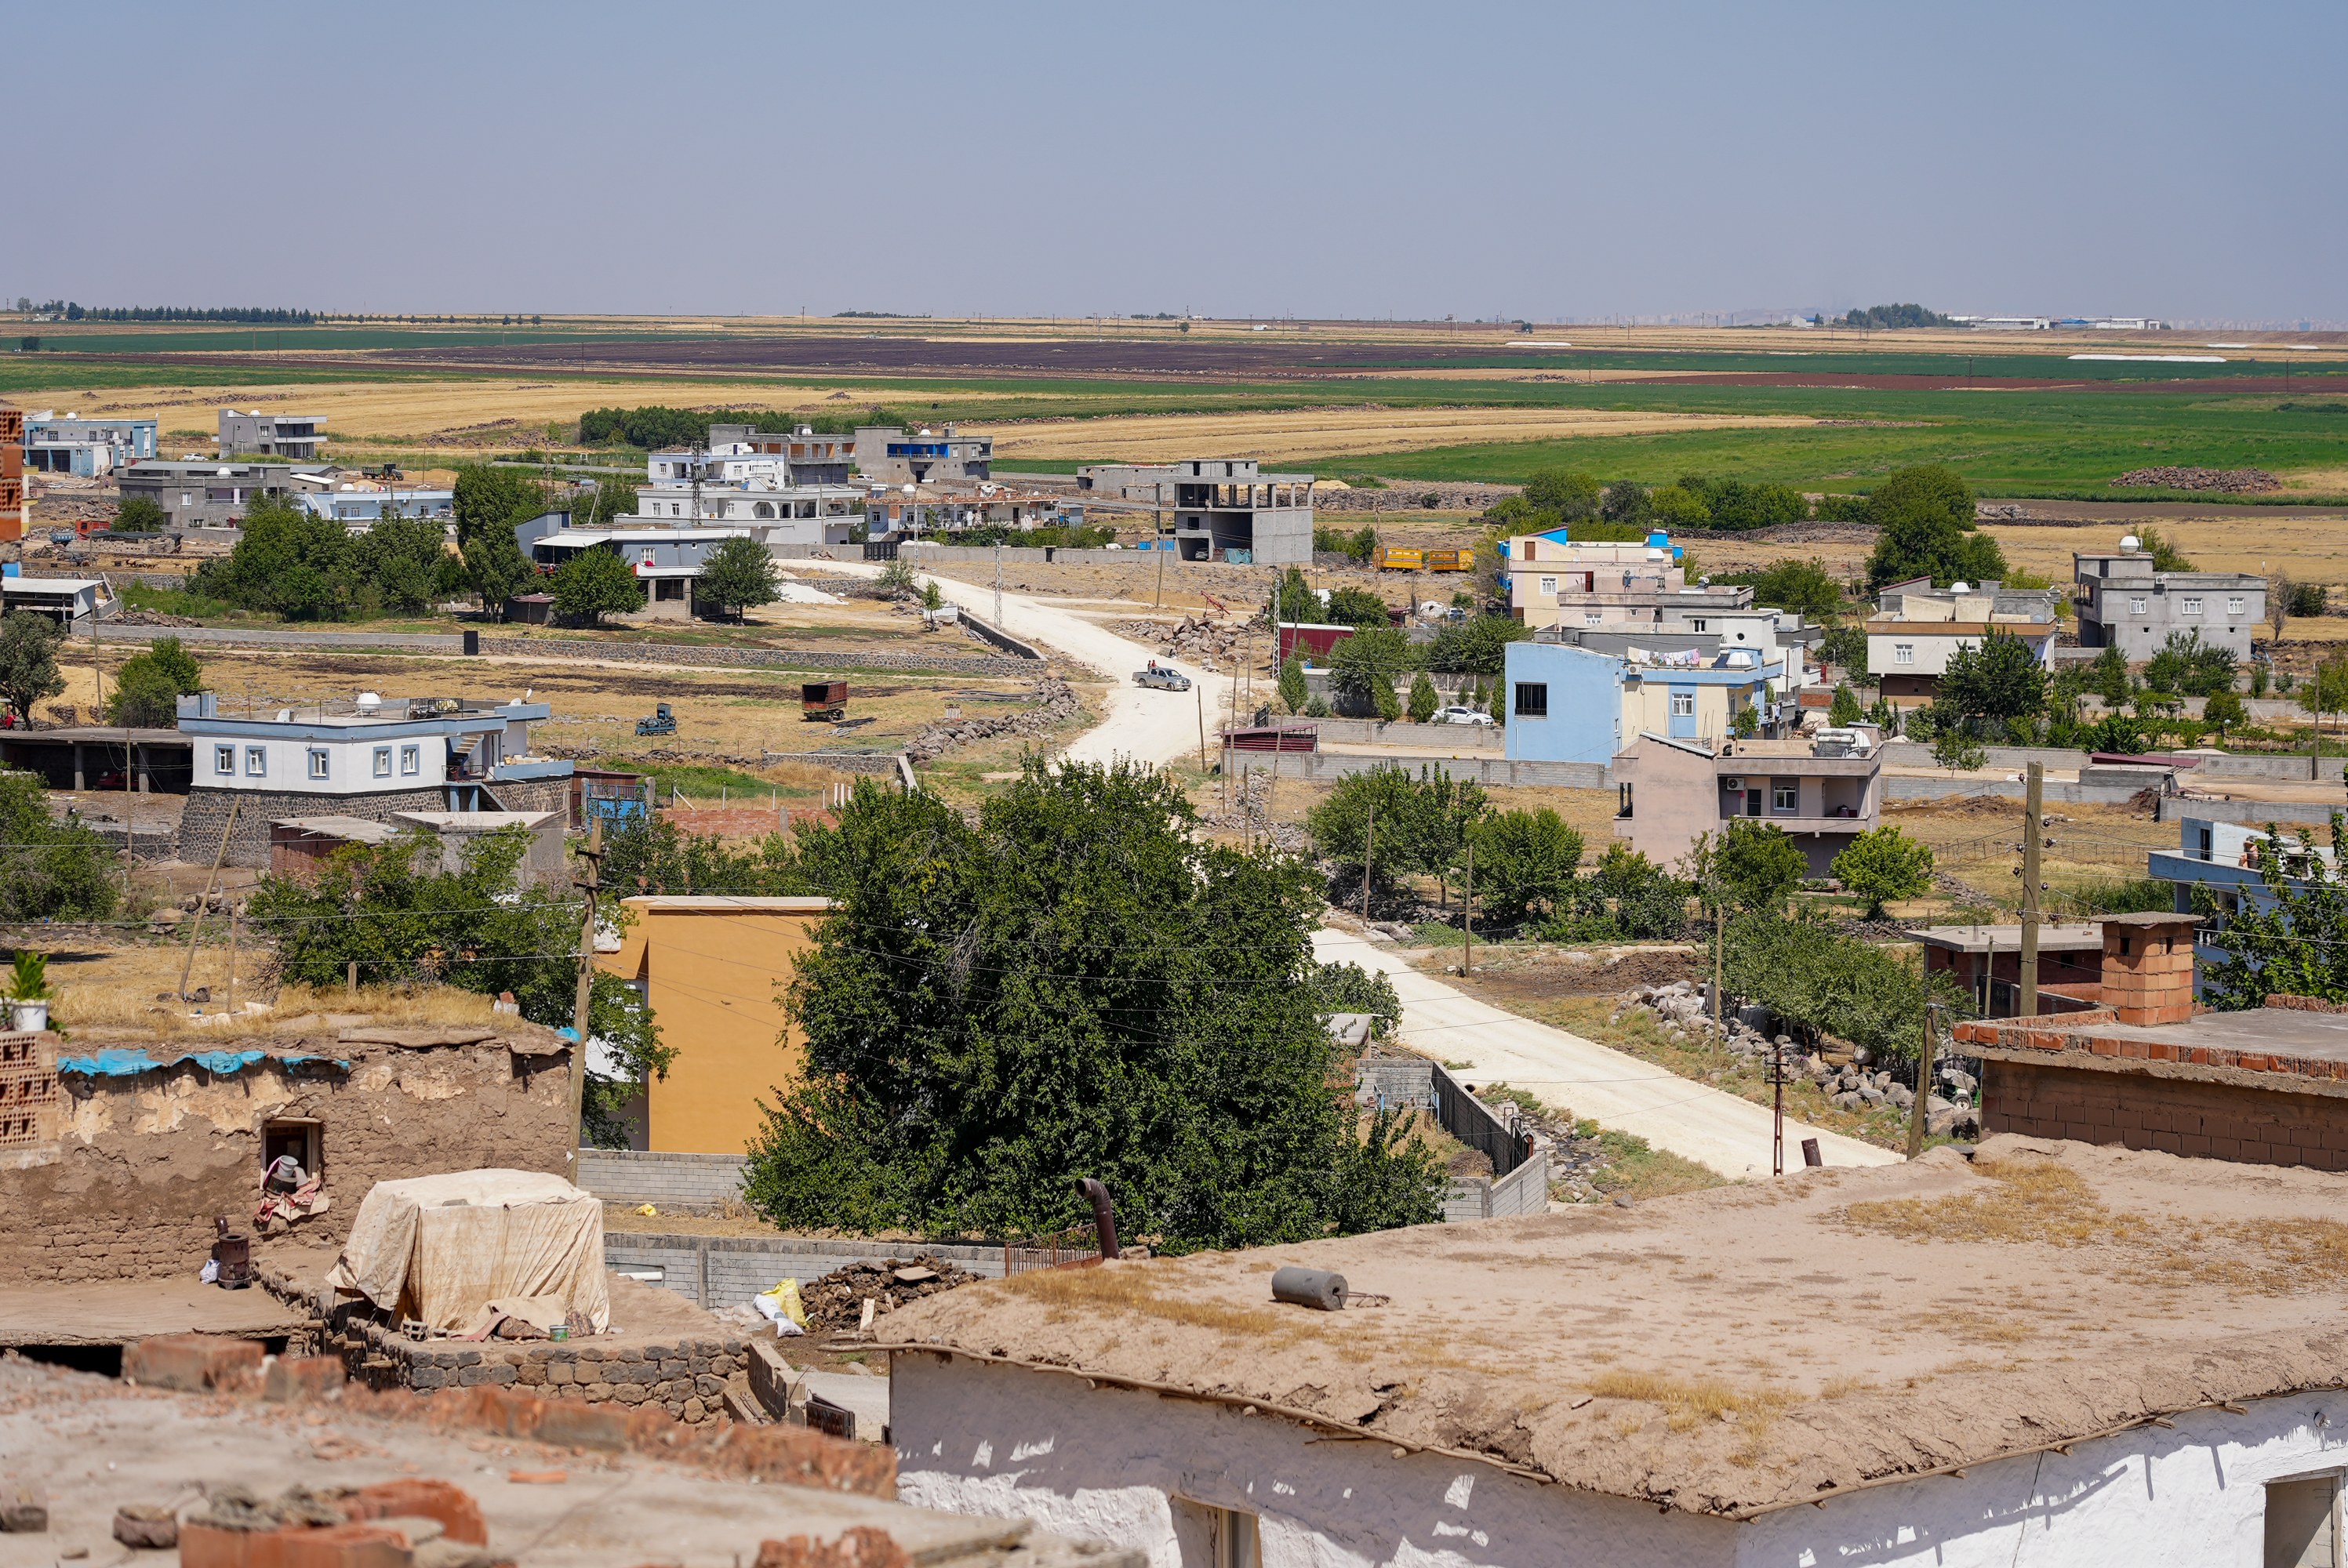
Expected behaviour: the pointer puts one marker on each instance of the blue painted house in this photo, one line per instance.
(1572, 705)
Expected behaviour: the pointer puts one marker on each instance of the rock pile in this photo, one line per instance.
(836, 1302)
(1202, 641)
(1056, 706)
(2232, 481)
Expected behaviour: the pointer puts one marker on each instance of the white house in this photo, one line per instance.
(1917, 628)
(2044, 1356)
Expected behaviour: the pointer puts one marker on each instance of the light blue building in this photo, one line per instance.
(1574, 704)
(68, 443)
(2221, 857)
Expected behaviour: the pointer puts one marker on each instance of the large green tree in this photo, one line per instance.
(288, 562)
(1883, 865)
(490, 503)
(50, 870)
(1072, 985)
(1475, 646)
(139, 515)
(1925, 528)
(148, 686)
(29, 661)
(738, 574)
(1525, 863)
(399, 562)
(1364, 668)
(595, 583)
(1570, 495)
(1995, 679)
(1803, 587)
(1403, 824)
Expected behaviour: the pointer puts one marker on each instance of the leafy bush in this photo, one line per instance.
(1349, 987)
(148, 686)
(1475, 646)
(1364, 668)
(1736, 503)
(1526, 863)
(1405, 825)
(1423, 700)
(1804, 586)
(50, 870)
(1996, 677)
(594, 583)
(1357, 607)
(141, 514)
(1752, 865)
(1072, 985)
(28, 660)
(2305, 599)
(1627, 897)
(1826, 983)
(1568, 494)
(2186, 663)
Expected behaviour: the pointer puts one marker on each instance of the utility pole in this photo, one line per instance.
(1369, 850)
(1777, 1109)
(2033, 839)
(1921, 1111)
(591, 885)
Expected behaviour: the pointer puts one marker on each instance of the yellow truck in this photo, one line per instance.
(1397, 558)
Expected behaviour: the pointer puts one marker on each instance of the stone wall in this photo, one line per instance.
(206, 816)
(140, 1165)
(2138, 1110)
(533, 794)
(814, 660)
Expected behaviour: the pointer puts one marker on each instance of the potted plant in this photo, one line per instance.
(29, 990)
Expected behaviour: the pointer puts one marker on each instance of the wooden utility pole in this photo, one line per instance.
(2033, 839)
(195, 927)
(1777, 1109)
(1467, 916)
(1369, 850)
(1199, 689)
(234, 915)
(1921, 1110)
(1719, 947)
(591, 885)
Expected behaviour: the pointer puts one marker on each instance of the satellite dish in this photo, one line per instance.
(2130, 542)
(1958, 586)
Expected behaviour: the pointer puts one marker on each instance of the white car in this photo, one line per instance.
(1460, 713)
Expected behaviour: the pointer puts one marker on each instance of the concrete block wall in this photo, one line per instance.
(718, 1272)
(636, 1176)
(1523, 1191)
(2251, 812)
(2183, 1116)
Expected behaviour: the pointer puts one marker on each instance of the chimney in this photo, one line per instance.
(2149, 967)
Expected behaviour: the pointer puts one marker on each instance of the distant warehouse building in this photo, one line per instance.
(1224, 509)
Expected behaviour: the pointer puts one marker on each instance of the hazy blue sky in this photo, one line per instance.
(1557, 160)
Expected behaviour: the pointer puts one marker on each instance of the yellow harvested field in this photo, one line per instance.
(1335, 432)
(2307, 549)
(453, 412)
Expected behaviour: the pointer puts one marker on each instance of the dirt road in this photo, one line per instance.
(1145, 724)
(1618, 1091)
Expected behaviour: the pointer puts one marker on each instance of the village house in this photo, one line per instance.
(2037, 1376)
(1823, 791)
(1917, 628)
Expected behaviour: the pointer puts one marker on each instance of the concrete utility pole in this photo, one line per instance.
(2033, 839)
(591, 885)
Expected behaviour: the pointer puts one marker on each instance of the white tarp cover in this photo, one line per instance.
(440, 1248)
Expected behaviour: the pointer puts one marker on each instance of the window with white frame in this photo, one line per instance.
(1683, 704)
(2136, 606)
(1784, 795)
(256, 762)
(317, 761)
(1903, 653)
(383, 761)
(1699, 624)
(224, 759)
(411, 759)
(2192, 605)
(1548, 587)
(2236, 604)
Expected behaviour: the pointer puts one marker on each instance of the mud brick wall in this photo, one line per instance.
(140, 1165)
(686, 1377)
(2184, 1116)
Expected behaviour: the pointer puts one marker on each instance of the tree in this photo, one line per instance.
(1822, 982)
(738, 574)
(2222, 710)
(50, 870)
(1884, 865)
(1998, 678)
(139, 515)
(1752, 864)
(496, 569)
(1499, 709)
(2279, 591)
(2186, 664)
(595, 583)
(1356, 607)
(2292, 940)
(599, 506)
(1525, 863)
(1403, 826)
(148, 686)
(2309, 599)
(1956, 751)
(1802, 587)
(2324, 692)
(2166, 556)
(1625, 502)
(1369, 662)
(1675, 507)
(1627, 897)
(2108, 677)
(1295, 601)
(288, 562)
(1071, 984)
(1846, 710)
(1294, 691)
(1844, 648)
(489, 499)
(1423, 700)
(398, 563)
(1926, 528)
(1571, 495)
(1475, 646)
(29, 661)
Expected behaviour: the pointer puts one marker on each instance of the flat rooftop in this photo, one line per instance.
(2260, 1046)
(2052, 936)
(1746, 1347)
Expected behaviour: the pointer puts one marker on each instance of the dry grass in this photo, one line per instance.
(1337, 432)
(1131, 1287)
(135, 987)
(1687, 1401)
(2035, 1200)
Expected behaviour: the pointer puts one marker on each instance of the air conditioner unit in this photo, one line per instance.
(1732, 783)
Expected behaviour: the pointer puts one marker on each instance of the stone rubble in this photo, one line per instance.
(1058, 703)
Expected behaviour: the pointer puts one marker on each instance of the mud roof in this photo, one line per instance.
(1745, 1348)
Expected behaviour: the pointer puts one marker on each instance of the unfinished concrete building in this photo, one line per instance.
(1227, 509)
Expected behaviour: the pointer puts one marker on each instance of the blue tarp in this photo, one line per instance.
(223, 1063)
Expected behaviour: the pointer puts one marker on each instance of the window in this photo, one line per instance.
(411, 759)
(383, 761)
(1548, 587)
(2302, 1523)
(1903, 653)
(300, 1137)
(223, 759)
(2192, 606)
(256, 762)
(1784, 795)
(1593, 617)
(1215, 1537)
(317, 761)
(1683, 704)
(2235, 604)
(1532, 700)
(2136, 606)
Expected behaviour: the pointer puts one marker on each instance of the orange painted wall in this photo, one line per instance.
(714, 970)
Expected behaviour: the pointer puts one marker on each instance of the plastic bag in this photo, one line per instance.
(781, 1306)
(210, 1276)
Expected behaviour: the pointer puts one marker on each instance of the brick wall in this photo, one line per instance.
(142, 1164)
(2182, 1116)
